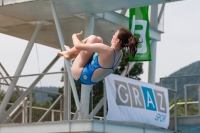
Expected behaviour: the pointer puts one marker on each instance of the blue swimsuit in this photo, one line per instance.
(89, 69)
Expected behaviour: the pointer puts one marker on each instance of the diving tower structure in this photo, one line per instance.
(51, 23)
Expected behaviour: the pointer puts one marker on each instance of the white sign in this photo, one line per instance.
(136, 101)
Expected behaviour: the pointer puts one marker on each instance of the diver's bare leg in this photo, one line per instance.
(70, 53)
(84, 57)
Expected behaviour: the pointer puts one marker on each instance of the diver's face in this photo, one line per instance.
(114, 38)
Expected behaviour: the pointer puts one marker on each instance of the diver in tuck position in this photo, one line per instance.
(95, 60)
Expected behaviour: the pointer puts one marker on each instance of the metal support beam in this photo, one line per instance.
(152, 63)
(21, 98)
(199, 99)
(104, 106)
(161, 12)
(123, 21)
(49, 109)
(24, 111)
(123, 11)
(67, 96)
(175, 107)
(17, 107)
(62, 43)
(96, 109)
(85, 89)
(61, 105)
(30, 107)
(5, 80)
(8, 78)
(127, 70)
(69, 100)
(52, 115)
(16, 116)
(0, 82)
(75, 117)
(185, 98)
(20, 68)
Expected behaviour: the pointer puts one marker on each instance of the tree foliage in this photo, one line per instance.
(192, 109)
(134, 73)
(2, 94)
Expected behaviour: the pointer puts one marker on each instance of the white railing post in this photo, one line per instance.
(175, 106)
(30, 107)
(52, 115)
(61, 108)
(185, 98)
(199, 99)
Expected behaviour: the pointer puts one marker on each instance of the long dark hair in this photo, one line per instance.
(128, 41)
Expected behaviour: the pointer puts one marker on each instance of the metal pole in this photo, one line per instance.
(199, 99)
(21, 98)
(185, 95)
(20, 68)
(16, 108)
(161, 82)
(8, 78)
(65, 106)
(131, 64)
(175, 106)
(96, 109)
(52, 115)
(0, 84)
(75, 117)
(23, 113)
(61, 108)
(152, 63)
(62, 43)
(85, 89)
(123, 11)
(30, 107)
(161, 12)
(69, 100)
(49, 109)
(16, 116)
(105, 105)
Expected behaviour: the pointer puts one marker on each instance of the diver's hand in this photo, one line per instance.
(77, 34)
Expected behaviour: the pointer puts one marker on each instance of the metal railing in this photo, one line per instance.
(31, 109)
(23, 112)
(179, 86)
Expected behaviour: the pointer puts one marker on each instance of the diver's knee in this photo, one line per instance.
(100, 40)
(93, 38)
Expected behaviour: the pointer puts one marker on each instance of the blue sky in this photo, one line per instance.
(179, 45)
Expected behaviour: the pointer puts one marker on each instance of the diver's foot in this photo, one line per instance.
(68, 54)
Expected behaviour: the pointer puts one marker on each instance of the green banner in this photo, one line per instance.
(139, 26)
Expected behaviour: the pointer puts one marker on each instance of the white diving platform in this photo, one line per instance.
(79, 126)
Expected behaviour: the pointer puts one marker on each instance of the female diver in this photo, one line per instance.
(95, 60)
